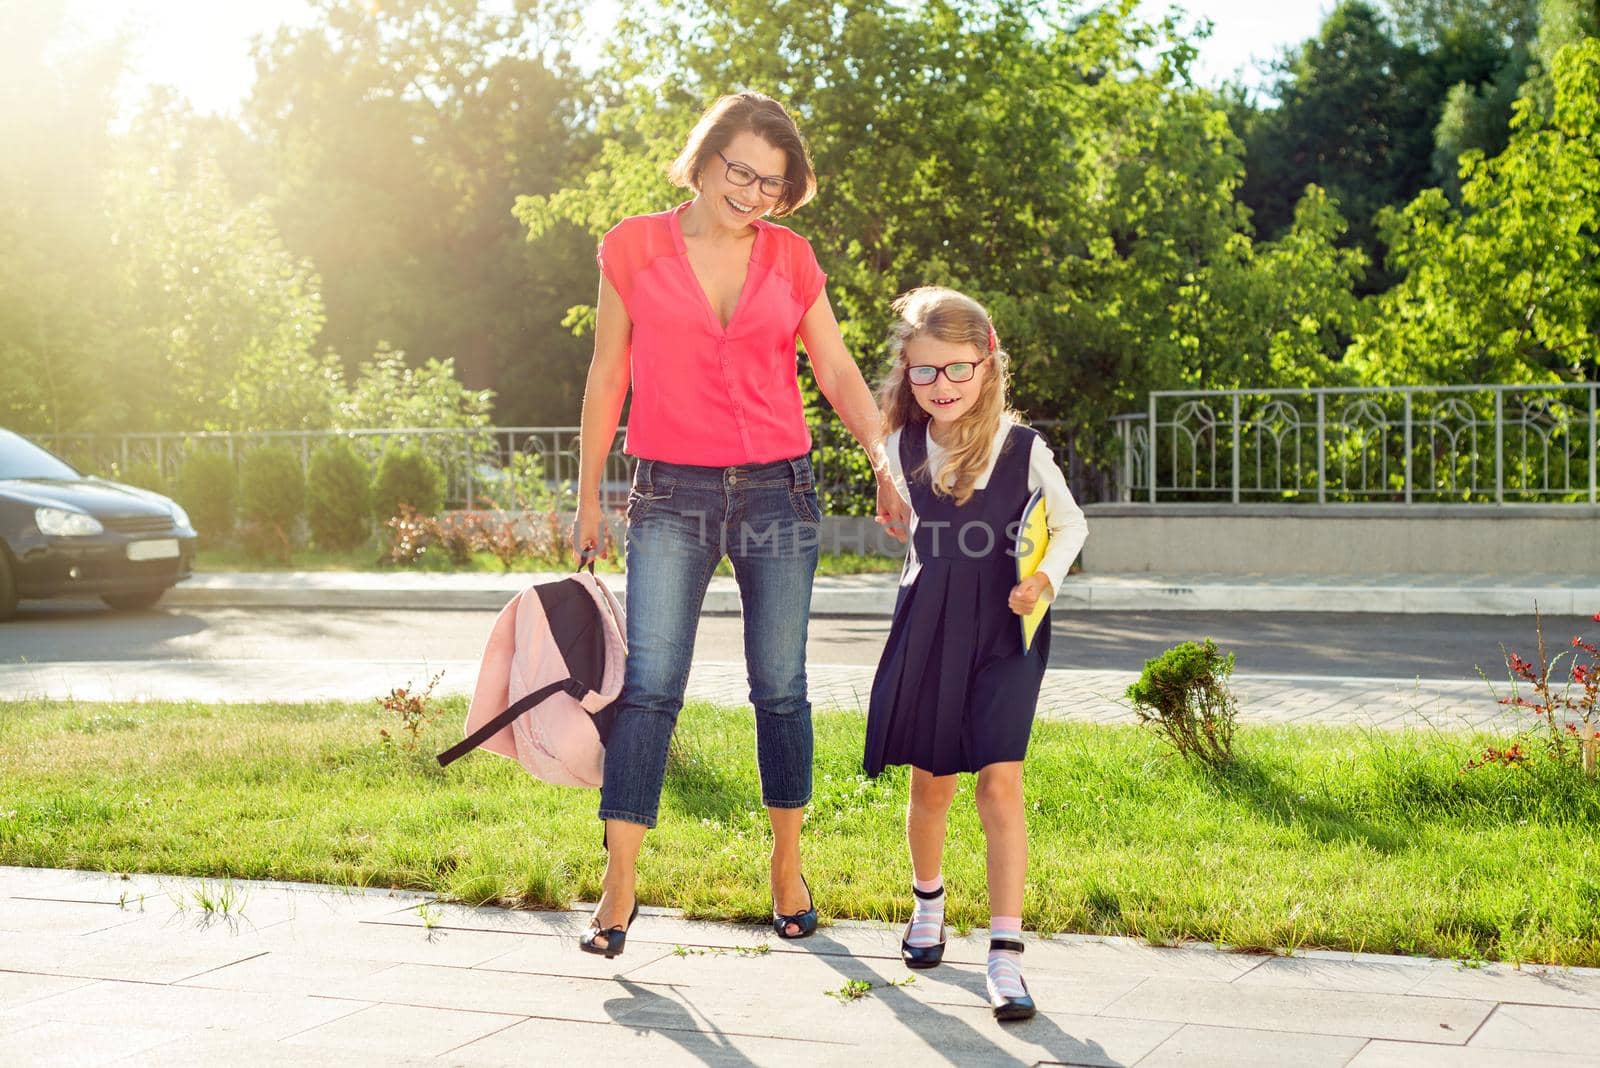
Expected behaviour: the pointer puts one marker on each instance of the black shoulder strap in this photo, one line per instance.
(500, 722)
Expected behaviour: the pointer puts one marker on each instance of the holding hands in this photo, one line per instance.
(894, 514)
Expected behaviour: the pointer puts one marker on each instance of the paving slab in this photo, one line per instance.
(365, 978)
(73, 1045)
(1543, 1028)
(1530, 985)
(409, 1030)
(1385, 1054)
(1370, 977)
(1200, 1046)
(569, 1042)
(180, 1009)
(1336, 1012)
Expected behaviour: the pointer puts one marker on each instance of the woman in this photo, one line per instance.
(698, 313)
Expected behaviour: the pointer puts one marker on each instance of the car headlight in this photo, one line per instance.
(58, 522)
(179, 516)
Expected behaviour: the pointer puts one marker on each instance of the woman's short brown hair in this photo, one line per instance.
(761, 115)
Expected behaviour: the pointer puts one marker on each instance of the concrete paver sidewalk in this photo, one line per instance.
(155, 970)
(1067, 693)
(874, 594)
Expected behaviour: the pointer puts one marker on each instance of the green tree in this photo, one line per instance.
(392, 142)
(1274, 313)
(1356, 115)
(218, 321)
(55, 280)
(1507, 287)
(1057, 165)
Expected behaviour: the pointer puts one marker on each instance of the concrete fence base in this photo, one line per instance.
(1342, 539)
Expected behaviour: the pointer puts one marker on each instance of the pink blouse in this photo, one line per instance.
(704, 394)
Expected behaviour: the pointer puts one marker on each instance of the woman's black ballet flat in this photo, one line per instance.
(922, 956)
(1013, 1008)
(616, 937)
(806, 919)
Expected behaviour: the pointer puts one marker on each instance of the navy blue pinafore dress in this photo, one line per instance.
(954, 690)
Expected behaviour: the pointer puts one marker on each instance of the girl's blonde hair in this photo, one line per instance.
(958, 319)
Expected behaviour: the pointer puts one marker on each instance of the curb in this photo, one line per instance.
(873, 596)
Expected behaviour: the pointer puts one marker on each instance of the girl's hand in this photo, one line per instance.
(586, 531)
(1025, 594)
(893, 511)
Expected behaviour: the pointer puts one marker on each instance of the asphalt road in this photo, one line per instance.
(1302, 644)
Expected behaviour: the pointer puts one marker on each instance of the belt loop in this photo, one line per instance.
(800, 468)
(642, 476)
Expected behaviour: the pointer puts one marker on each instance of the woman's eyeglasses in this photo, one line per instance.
(741, 175)
(926, 374)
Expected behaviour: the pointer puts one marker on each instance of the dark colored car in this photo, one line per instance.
(63, 533)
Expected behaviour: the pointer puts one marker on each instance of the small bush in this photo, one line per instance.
(207, 487)
(406, 476)
(1567, 710)
(501, 534)
(414, 711)
(272, 494)
(141, 473)
(338, 496)
(1183, 694)
(408, 536)
(458, 535)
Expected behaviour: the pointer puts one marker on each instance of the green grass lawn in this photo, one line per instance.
(230, 559)
(1335, 838)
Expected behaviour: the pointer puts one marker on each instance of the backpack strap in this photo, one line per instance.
(570, 685)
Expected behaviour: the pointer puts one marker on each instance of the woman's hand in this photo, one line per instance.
(893, 512)
(1025, 594)
(586, 542)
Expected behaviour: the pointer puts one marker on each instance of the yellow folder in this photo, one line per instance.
(1033, 536)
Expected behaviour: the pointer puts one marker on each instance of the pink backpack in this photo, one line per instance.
(551, 670)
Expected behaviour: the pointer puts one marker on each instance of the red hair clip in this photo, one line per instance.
(994, 342)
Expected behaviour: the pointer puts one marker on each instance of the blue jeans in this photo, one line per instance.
(682, 520)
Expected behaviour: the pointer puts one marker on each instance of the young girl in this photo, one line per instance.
(955, 691)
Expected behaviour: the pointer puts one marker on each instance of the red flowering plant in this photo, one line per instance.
(1568, 709)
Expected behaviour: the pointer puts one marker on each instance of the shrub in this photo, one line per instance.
(272, 494)
(338, 496)
(458, 535)
(1183, 694)
(207, 486)
(141, 473)
(414, 711)
(1568, 711)
(501, 534)
(407, 538)
(406, 476)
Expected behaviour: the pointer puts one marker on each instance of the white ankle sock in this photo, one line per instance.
(927, 918)
(1005, 965)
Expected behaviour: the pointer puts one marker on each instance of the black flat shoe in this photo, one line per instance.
(922, 956)
(1007, 1009)
(806, 919)
(616, 937)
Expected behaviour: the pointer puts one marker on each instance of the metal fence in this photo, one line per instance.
(1434, 444)
(1482, 443)
(505, 466)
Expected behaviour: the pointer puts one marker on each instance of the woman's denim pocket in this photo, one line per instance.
(805, 504)
(639, 503)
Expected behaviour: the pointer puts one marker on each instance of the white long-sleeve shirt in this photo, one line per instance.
(1064, 519)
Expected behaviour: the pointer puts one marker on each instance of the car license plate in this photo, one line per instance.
(165, 549)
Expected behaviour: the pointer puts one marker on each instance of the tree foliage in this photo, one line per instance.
(1505, 288)
(1058, 166)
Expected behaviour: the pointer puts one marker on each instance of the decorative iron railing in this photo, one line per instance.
(1435, 444)
(500, 466)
